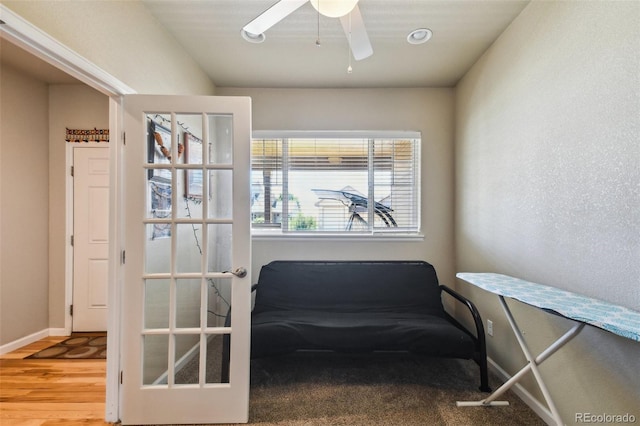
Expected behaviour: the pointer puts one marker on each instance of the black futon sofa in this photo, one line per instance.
(360, 306)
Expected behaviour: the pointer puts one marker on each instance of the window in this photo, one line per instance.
(335, 183)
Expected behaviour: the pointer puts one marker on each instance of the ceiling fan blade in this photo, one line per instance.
(359, 39)
(272, 16)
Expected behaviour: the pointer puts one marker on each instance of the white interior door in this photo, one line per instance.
(186, 204)
(91, 238)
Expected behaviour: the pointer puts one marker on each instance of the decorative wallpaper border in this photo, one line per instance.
(95, 135)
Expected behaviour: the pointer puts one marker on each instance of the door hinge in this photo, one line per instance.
(124, 256)
(72, 241)
(121, 377)
(124, 138)
(72, 171)
(71, 310)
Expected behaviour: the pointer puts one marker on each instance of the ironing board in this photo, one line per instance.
(580, 309)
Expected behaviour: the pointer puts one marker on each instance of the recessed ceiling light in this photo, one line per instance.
(252, 38)
(419, 36)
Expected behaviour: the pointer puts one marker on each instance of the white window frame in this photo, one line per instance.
(386, 235)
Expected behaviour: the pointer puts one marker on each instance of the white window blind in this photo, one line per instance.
(336, 183)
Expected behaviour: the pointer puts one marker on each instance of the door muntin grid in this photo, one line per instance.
(187, 250)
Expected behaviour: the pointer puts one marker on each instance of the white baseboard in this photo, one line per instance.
(538, 407)
(24, 341)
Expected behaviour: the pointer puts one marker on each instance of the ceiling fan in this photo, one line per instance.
(346, 10)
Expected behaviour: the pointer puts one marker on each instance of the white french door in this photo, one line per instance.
(187, 242)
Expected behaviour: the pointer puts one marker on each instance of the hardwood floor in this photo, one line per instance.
(50, 392)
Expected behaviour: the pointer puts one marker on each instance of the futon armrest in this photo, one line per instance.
(472, 308)
(481, 345)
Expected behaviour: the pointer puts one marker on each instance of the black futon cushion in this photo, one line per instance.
(353, 306)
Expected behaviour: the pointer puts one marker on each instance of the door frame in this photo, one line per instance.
(69, 227)
(27, 36)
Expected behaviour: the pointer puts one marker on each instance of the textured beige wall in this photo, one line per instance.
(429, 111)
(548, 187)
(24, 168)
(122, 38)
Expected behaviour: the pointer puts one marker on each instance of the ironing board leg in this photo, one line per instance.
(532, 365)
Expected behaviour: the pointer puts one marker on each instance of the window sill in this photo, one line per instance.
(386, 237)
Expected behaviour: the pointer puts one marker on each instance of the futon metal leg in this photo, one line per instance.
(532, 366)
(484, 376)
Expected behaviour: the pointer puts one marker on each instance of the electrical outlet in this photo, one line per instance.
(490, 327)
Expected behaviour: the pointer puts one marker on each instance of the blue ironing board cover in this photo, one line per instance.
(607, 316)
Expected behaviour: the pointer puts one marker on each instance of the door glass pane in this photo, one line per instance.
(187, 371)
(218, 301)
(188, 303)
(220, 141)
(189, 247)
(159, 190)
(190, 130)
(219, 247)
(193, 148)
(217, 359)
(158, 235)
(158, 248)
(191, 177)
(221, 194)
(187, 349)
(156, 304)
(189, 208)
(155, 358)
(159, 139)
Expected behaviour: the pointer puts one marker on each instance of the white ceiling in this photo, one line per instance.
(462, 31)
(209, 30)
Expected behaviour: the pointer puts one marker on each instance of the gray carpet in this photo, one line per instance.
(383, 389)
(328, 389)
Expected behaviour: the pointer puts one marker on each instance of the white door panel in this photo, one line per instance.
(91, 238)
(187, 225)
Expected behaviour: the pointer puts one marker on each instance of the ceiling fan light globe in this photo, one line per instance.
(252, 38)
(334, 8)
